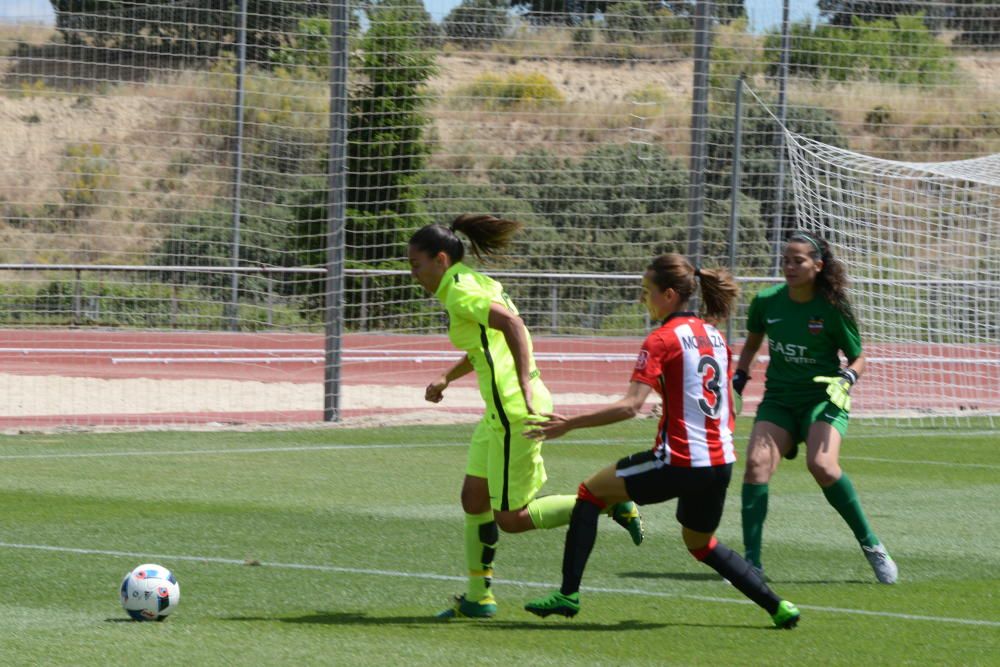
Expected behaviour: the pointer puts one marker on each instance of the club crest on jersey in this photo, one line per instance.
(640, 363)
(815, 325)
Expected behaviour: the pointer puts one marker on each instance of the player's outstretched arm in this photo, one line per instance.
(435, 390)
(553, 426)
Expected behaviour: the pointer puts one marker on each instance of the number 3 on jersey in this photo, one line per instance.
(711, 375)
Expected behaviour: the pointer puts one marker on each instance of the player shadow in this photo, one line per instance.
(556, 625)
(710, 576)
(677, 576)
(822, 582)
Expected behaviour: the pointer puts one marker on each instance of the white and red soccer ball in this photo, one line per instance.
(150, 592)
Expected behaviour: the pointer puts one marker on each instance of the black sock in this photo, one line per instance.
(738, 572)
(580, 540)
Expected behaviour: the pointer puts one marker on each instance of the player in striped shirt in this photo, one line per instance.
(504, 469)
(686, 361)
(807, 321)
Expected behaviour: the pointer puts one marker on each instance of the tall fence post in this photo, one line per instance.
(734, 201)
(234, 296)
(699, 126)
(779, 205)
(336, 212)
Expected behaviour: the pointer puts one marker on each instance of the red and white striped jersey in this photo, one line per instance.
(686, 361)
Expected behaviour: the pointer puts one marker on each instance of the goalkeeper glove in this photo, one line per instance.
(838, 388)
(740, 379)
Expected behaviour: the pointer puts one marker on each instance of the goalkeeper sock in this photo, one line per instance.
(481, 538)
(842, 496)
(551, 511)
(754, 513)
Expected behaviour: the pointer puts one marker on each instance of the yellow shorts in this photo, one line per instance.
(511, 464)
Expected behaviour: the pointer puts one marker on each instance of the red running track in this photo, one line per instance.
(898, 375)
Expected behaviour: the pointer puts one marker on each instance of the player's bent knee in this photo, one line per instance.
(514, 522)
(584, 494)
(701, 553)
(824, 473)
(758, 470)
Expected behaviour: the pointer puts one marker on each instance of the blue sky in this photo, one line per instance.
(763, 13)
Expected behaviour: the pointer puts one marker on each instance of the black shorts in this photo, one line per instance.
(700, 492)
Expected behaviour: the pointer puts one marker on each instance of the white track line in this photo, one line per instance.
(325, 448)
(524, 584)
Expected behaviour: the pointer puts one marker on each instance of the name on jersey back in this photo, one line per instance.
(695, 342)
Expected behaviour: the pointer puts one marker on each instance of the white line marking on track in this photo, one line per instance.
(444, 577)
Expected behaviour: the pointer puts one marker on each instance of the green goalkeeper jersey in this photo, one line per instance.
(803, 341)
(467, 296)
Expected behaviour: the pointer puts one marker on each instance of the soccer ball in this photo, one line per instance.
(150, 592)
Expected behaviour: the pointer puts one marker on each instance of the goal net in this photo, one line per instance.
(921, 241)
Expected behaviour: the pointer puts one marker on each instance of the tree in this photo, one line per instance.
(187, 29)
(474, 21)
(978, 21)
(843, 12)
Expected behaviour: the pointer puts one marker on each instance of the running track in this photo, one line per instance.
(914, 376)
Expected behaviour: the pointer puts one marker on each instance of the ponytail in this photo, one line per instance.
(718, 293)
(488, 235)
(718, 288)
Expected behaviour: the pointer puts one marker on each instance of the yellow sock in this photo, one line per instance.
(481, 538)
(551, 511)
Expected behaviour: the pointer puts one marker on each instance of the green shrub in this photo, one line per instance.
(87, 176)
(517, 90)
(900, 50)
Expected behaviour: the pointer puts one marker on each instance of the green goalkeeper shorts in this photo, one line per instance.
(511, 464)
(798, 419)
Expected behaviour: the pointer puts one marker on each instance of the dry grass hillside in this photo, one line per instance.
(43, 127)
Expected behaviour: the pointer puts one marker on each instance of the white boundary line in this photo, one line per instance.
(323, 448)
(523, 584)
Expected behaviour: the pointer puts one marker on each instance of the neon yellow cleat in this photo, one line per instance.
(462, 608)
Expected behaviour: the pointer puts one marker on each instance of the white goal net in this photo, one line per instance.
(922, 246)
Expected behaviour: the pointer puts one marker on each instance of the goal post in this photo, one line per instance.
(921, 241)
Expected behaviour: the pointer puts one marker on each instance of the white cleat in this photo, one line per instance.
(885, 567)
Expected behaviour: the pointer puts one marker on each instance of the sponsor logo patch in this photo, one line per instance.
(640, 363)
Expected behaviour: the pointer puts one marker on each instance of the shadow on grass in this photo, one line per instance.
(711, 576)
(677, 576)
(555, 625)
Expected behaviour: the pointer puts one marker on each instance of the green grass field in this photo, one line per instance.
(359, 536)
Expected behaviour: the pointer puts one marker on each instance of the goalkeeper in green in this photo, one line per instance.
(504, 469)
(807, 395)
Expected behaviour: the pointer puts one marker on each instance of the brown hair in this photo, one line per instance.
(488, 235)
(831, 281)
(718, 288)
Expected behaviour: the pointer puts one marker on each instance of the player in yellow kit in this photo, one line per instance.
(504, 470)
